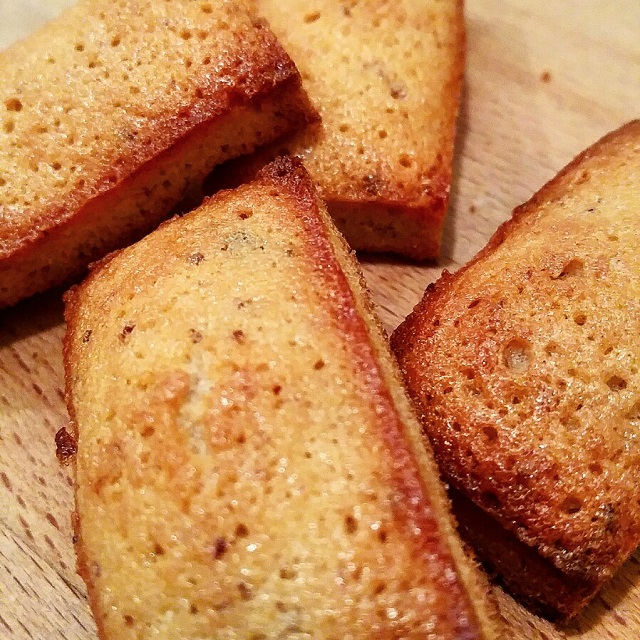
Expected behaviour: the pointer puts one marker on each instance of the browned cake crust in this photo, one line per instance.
(386, 77)
(111, 112)
(524, 367)
(248, 463)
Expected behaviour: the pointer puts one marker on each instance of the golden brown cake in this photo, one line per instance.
(109, 113)
(386, 78)
(248, 464)
(524, 367)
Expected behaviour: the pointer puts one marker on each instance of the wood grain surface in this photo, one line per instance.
(544, 80)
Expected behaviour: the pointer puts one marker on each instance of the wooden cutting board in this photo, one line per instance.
(544, 80)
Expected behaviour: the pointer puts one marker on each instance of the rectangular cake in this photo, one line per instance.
(111, 112)
(248, 464)
(525, 368)
(386, 77)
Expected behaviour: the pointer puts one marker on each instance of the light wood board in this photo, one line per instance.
(544, 80)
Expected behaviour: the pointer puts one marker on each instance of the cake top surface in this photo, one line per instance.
(109, 85)
(243, 464)
(385, 77)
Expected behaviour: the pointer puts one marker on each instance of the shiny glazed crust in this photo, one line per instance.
(524, 366)
(230, 365)
(386, 78)
(113, 111)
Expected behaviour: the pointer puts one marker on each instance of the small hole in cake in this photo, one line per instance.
(344, 128)
(378, 587)
(571, 268)
(206, 7)
(319, 364)
(220, 548)
(382, 134)
(382, 535)
(115, 41)
(126, 331)
(517, 355)
(129, 621)
(596, 468)
(242, 531)
(56, 166)
(607, 350)
(79, 46)
(13, 104)
(613, 237)
(580, 319)
(490, 499)
(2, 182)
(245, 591)
(571, 504)
(350, 524)
(243, 215)
(287, 574)
(202, 34)
(206, 60)
(515, 400)
(474, 303)
(616, 383)
(185, 34)
(491, 433)
(447, 390)
(312, 17)
(9, 126)
(405, 161)
(398, 91)
(148, 431)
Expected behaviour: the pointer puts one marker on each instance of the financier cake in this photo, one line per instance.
(386, 77)
(525, 368)
(248, 464)
(108, 115)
